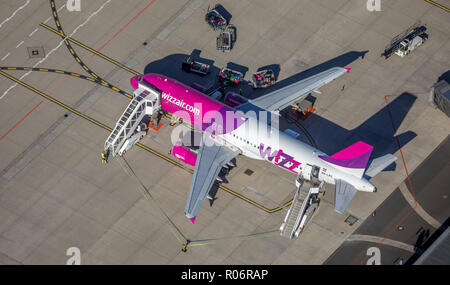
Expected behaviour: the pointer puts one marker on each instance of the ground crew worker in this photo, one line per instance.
(185, 246)
(158, 118)
(104, 158)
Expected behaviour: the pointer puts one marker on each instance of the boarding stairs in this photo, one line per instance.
(302, 208)
(129, 129)
(409, 33)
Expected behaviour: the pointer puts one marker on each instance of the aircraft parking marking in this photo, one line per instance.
(54, 49)
(3, 58)
(20, 121)
(14, 13)
(103, 83)
(93, 51)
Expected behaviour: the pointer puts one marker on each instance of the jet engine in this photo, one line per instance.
(184, 154)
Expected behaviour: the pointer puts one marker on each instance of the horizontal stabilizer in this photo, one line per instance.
(377, 165)
(343, 196)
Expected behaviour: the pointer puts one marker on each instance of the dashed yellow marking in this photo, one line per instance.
(92, 50)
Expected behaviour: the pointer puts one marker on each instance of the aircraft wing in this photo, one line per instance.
(343, 196)
(282, 98)
(210, 160)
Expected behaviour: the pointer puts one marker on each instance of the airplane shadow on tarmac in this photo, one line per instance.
(379, 130)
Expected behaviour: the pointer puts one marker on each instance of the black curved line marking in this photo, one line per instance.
(74, 74)
(76, 57)
(107, 58)
(104, 83)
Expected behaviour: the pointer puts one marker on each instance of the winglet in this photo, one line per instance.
(348, 69)
(192, 220)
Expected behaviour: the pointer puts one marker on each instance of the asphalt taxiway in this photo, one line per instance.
(72, 73)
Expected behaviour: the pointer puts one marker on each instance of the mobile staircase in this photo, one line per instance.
(303, 205)
(130, 128)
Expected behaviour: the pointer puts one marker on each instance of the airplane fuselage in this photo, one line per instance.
(248, 132)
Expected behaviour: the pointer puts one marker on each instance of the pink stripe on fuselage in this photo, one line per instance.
(209, 108)
(352, 151)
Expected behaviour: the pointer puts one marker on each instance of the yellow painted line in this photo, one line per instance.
(75, 74)
(115, 89)
(12, 68)
(78, 59)
(56, 101)
(43, 69)
(93, 51)
(59, 71)
(438, 5)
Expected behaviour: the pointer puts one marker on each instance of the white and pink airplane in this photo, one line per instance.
(228, 132)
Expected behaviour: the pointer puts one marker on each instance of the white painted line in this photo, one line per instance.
(6, 56)
(48, 19)
(32, 33)
(53, 50)
(19, 44)
(63, 6)
(14, 13)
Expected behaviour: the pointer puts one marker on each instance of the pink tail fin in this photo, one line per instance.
(353, 159)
